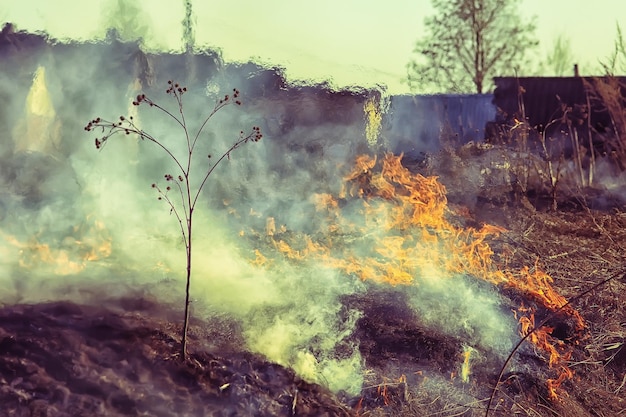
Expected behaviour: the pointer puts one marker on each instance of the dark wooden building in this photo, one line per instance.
(545, 99)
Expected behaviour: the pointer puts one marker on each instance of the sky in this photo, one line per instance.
(347, 42)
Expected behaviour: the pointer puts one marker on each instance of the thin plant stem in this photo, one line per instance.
(188, 196)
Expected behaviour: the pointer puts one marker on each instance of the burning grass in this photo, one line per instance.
(546, 259)
(394, 227)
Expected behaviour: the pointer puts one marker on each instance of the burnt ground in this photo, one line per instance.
(120, 359)
(62, 359)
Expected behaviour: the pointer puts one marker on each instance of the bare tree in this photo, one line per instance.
(468, 42)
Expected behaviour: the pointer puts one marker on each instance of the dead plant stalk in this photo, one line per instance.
(184, 204)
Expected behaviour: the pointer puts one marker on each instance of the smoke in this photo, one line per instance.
(475, 312)
(78, 222)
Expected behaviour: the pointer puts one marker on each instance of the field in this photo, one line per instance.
(332, 277)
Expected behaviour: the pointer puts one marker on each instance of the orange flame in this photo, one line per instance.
(401, 231)
(556, 349)
(89, 242)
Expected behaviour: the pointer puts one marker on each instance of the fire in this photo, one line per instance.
(373, 119)
(465, 366)
(68, 258)
(39, 129)
(539, 285)
(392, 226)
(541, 338)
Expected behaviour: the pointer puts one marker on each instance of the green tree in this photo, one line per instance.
(190, 174)
(561, 58)
(469, 42)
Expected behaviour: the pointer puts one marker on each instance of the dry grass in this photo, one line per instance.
(609, 94)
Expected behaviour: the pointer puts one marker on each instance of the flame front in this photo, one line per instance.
(400, 229)
(391, 226)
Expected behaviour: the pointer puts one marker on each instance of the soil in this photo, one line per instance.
(121, 359)
(63, 359)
